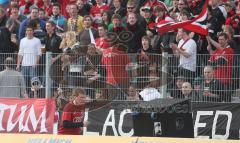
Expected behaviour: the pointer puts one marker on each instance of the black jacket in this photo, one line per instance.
(6, 46)
(53, 43)
(3, 21)
(135, 43)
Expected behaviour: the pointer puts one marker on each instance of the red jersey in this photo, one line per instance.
(223, 72)
(74, 114)
(96, 11)
(102, 43)
(115, 62)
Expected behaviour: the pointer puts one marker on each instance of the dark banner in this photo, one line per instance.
(164, 117)
(216, 120)
(122, 118)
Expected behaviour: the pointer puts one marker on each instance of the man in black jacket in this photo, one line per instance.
(52, 43)
(132, 26)
(52, 40)
(6, 46)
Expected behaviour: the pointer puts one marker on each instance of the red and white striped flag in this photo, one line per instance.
(197, 28)
(191, 25)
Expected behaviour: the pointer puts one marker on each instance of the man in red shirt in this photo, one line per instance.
(96, 12)
(73, 114)
(115, 61)
(221, 59)
(101, 42)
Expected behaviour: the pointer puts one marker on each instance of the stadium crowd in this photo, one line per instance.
(107, 41)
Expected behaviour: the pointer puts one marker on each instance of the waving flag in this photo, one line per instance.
(197, 28)
(192, 25)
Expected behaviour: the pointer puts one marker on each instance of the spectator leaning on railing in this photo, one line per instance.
(73, 114)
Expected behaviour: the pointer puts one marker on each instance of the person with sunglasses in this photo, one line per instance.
(132, 7)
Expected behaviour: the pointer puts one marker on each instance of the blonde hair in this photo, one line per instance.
(69, 39)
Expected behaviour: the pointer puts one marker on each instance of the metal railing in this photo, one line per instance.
(116, 76)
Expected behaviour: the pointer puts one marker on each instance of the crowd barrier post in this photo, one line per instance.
(48, 79)
(164, 78)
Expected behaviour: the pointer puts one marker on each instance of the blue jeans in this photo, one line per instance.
(28, 72)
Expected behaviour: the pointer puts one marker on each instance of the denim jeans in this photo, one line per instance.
(28, 72)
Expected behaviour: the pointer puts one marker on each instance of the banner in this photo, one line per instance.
(26, 115)
(116, 118)
(37, 138)
(210, 120)
(216, 120)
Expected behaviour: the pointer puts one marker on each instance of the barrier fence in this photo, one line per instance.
(117, 76)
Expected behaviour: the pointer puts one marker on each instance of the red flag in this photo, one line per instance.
(197, 28)
(171, 27)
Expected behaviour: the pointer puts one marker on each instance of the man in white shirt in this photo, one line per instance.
(187, 52)
(29, 54)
